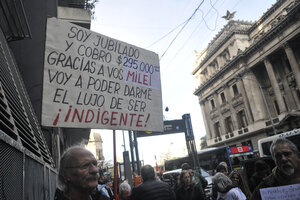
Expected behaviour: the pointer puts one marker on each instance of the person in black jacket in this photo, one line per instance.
(261, 170)
(187, 189)
(151, 189)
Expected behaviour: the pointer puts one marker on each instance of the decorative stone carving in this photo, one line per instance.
(271, 91)
(214, 116)
(291, 80)
(237, 101)
(225, 110)
(281, 87)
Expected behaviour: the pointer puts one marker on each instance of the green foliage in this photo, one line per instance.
(203, 143)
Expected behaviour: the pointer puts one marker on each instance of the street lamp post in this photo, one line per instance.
(264, 99)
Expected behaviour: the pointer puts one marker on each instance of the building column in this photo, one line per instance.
(254, 95)
(232, 111)
(221, 117)
(202, 78)
(275, 85)
(220, 61)
(293, 62)
(204, 116)
(211, 122)
(291, 102)
(247, 108)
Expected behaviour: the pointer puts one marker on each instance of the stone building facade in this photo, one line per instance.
(95, 145)
(249, 78)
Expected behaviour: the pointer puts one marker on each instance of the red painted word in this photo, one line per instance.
(104, 117)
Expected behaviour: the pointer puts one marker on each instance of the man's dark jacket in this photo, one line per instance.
(152, 190)
(275, 179)
(192, 193)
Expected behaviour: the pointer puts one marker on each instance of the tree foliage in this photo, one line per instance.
(203, 143)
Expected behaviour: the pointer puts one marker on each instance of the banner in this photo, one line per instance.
(94, 81)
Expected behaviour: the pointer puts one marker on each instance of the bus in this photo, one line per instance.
(265, 143)
(208, 159)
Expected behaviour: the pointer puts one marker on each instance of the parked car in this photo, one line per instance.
(171, 177)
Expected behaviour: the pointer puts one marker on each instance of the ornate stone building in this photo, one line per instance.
(95, 145)
(250, 74)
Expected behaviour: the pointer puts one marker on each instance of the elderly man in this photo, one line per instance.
(287, 170)
(78, 175)
(124, 191)
(151, 189)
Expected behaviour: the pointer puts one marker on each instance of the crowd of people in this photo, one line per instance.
(80, 179)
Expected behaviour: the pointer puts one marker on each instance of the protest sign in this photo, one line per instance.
(288, 192)
(94, 81)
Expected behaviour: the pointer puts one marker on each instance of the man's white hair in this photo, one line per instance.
(64, 161)
(124, 187)
(283, 141)
(221, 181)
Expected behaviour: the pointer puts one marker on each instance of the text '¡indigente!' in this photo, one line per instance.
(112, 118)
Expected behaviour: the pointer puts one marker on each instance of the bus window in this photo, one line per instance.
(266, 148)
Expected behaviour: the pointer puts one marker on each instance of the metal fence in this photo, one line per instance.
(26, 166)
(24, 177)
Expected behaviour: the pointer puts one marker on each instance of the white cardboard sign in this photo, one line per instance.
(288, 192)
(94, 81)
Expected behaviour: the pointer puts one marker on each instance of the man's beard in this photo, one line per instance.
(287, 169)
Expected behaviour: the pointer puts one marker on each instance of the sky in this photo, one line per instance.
(174, 29)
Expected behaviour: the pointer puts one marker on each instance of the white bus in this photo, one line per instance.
(265, 143)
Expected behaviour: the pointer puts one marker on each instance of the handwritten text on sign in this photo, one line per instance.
(289, 192)
(93, 81)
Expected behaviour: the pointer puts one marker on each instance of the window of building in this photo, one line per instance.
(242, 120)
(212, 103)
(217, 129)
(228, 124)
(235, 90)
(223, 99)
